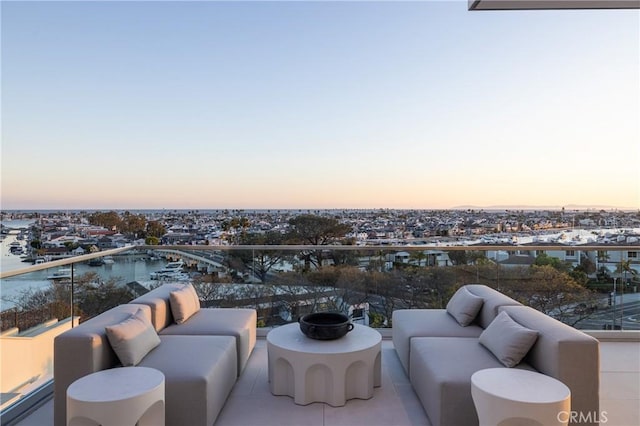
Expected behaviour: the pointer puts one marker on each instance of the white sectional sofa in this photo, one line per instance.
(239, 323)
(440, 349)
(201, 356)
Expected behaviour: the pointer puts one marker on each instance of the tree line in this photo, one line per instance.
(133, 225)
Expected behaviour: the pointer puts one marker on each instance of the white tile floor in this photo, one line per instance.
(620, 383)
(394, 403)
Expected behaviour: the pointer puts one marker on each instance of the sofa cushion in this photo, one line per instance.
(199, 372)
(184, 303)
(132, 339)
(464, 306)
(239, 323)
(440, 373)
(508, 340)
(410, 323)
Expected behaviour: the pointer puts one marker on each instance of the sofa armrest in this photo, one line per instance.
(83, 350)
(565, 353)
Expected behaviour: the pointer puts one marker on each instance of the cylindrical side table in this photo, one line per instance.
(510, 396)
(117, 397)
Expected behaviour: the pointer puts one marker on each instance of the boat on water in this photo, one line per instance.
(172, 270)
(108, 260)
(174, 276)
(96, 262)
(61, 274)
(16, 250)
(41, 259)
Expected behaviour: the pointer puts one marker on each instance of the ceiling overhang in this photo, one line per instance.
(552, 4)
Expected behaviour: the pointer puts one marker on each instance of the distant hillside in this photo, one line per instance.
(566, 207)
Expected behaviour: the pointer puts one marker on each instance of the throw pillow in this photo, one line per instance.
(184, 303)
(133, 338)
(464, 306)
(508, 340)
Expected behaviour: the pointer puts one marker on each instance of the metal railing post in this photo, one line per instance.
(72, 291)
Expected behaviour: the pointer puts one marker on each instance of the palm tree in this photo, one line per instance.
(418, 256)
(601, 257)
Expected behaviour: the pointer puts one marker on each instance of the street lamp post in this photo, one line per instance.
(614, 302)
(624, 283)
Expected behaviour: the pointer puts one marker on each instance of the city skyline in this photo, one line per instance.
(317, 105)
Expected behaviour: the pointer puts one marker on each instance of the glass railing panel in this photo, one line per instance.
(37, 306)
(28, 316)
(285, 282)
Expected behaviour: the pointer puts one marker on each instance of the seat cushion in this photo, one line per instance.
(410, 323)
(239, 323)
(440, 373)
(199, 372)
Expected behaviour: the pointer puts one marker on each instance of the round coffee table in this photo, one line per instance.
(504, 395)
(116, 397)
(329, 371)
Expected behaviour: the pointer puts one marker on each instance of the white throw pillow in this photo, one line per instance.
(184, 303)
(508, 340)
(133, 338)
(464, 306)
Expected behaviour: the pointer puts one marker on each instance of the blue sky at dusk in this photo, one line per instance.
(265, 104)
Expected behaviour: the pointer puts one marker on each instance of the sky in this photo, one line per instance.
(329, 104)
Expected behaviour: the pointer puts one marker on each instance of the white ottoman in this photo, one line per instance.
(117, 397)
(510, 397)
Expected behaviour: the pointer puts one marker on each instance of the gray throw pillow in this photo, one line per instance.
(184, 303)
(132, 339)
(464, 306)
(508, 340)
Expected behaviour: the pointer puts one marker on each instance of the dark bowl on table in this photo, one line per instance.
(325, 325)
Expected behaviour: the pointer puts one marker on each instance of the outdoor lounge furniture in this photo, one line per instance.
(501, 396)
(329, 371)
(200, 358)
(116, 397)
(440, 355)
(239, 323)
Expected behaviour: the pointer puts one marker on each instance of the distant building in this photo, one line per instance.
(517, 260)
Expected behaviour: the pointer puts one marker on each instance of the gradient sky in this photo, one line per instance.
(317, 105)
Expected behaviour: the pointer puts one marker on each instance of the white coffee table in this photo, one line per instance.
(329, 371)
(116, 397)
(508, 396)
